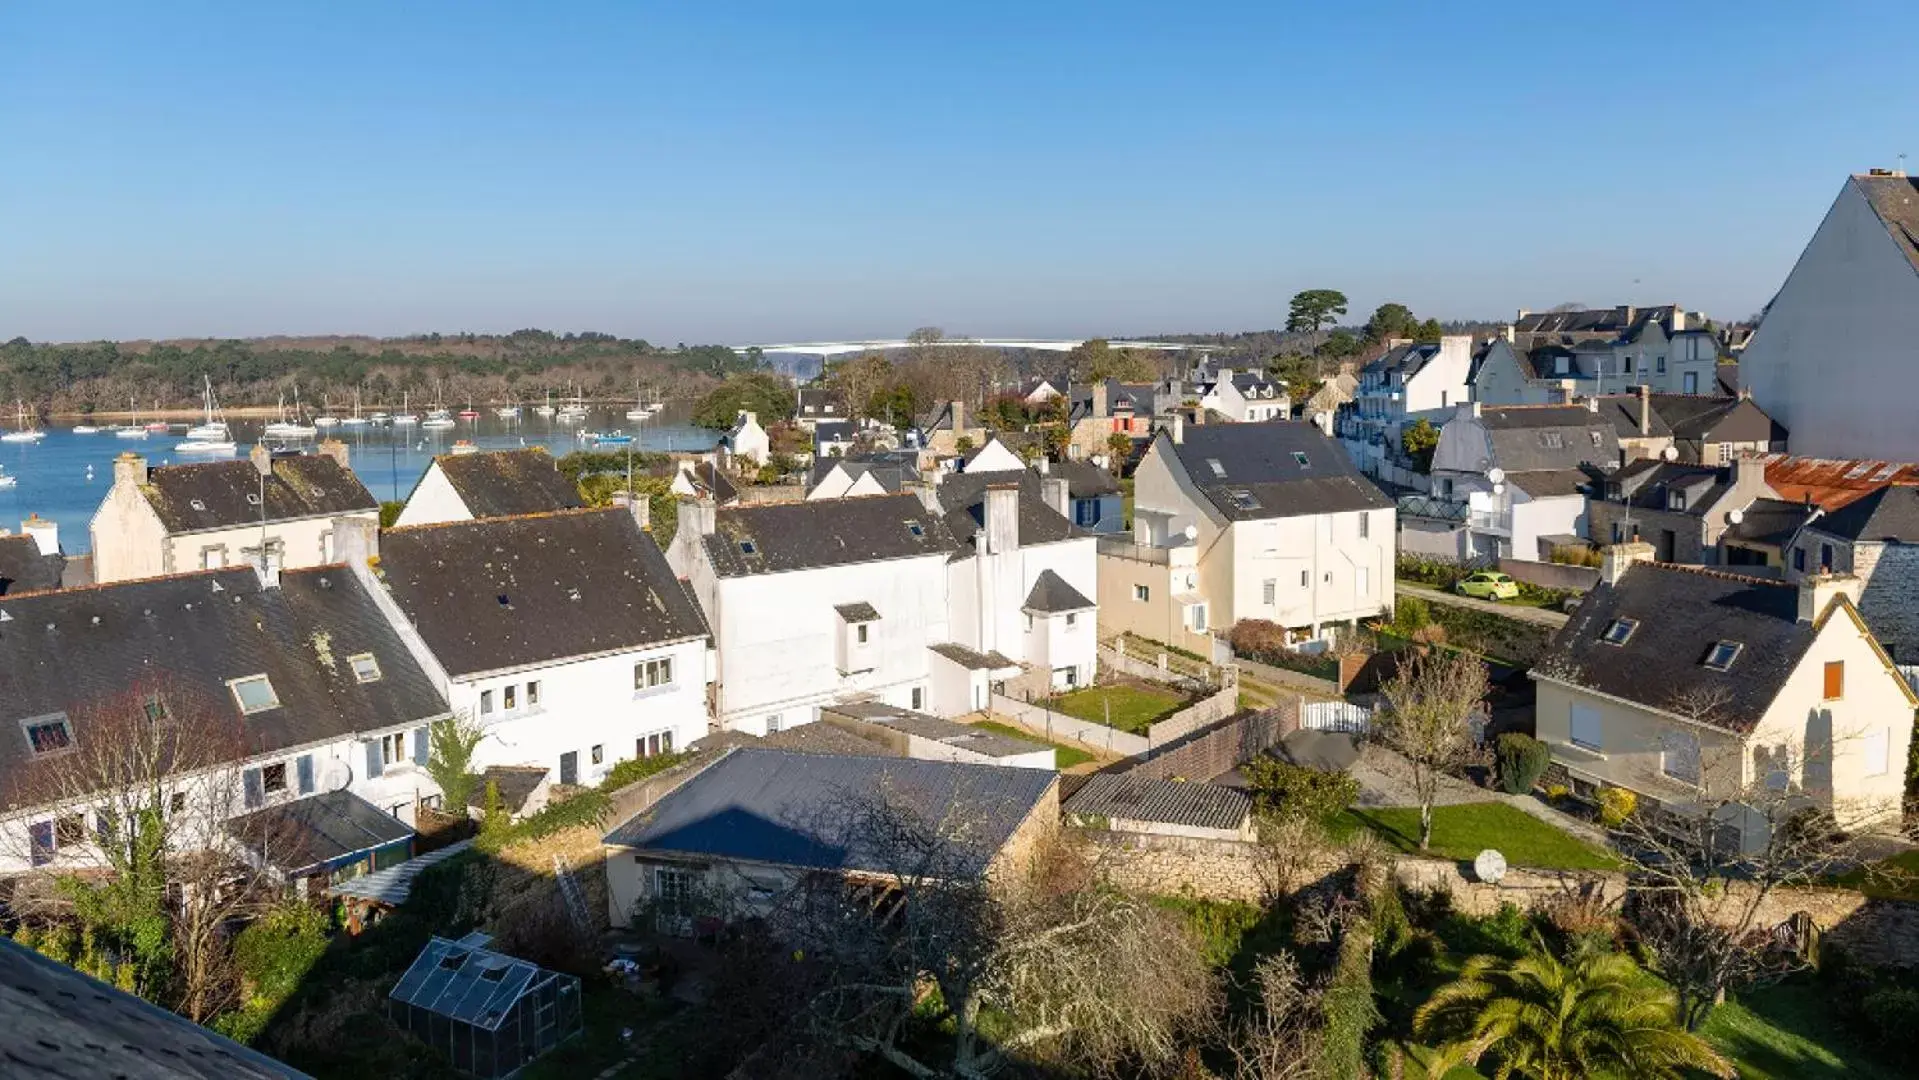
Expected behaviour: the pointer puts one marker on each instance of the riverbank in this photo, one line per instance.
(196, 413)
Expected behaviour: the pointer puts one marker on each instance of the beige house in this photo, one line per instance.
(1150, 591)
(1686, 685)
(204, 516)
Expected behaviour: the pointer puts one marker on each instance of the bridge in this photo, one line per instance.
(825, 349)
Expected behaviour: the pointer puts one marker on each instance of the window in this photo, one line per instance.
(1559, 365)
(69, 830)
(532, 693)
(393, 748)
(1199, 618)
(510, 698)
(1305, 579)
(274, 778)
(919, 698)
(599, 754)
(1086, 513)
(673, 888)
(1835, 680)
(1142, 593)
(48, 734)
(1691, 382)
(213, 558)
(1680, 757)
(1825, 556)
(1722, 654)
(1365, 525)
(773, 724)
(1299, 458)
(1874, 747)
(255, 694)
(1442, 399)
(1799, 559)
(177, 803)
(1594, 436)
(747, 548)
(365, 667)
(1269, 592)
(859, 633)
(1619, 631)
(1243, 499)
(1364, 580)
(156, 710)
(916, 528)
(1675, 499)
(40, 842)
(1552, 440)
(648, 674)
(486, 702)
(1659, 364)
(1584, 726)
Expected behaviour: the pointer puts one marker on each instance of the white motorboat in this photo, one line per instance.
(7, 481)
(86, 429)
(325, 421)
(205, 446)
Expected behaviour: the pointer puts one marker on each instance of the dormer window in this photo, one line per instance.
(1594, 436)
(1619, 631)
(48, 734)
(1722, 655)
(1675, 499)
(254, 694)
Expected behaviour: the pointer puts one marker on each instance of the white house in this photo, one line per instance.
(1614, 351)
(206, 515)
(564, 635)
(1410, 381)
(1281, 524)
(496, 483)
(320, 709)
(703, 480)
(747, 440)
(1833, 359)
(815, 405)
(1246, 397)
(875, 472)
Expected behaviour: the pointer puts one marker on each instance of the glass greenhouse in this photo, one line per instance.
(489, 1013)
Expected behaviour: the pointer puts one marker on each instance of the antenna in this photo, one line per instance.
(1902, 165)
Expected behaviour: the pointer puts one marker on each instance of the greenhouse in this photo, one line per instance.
(489, 1013)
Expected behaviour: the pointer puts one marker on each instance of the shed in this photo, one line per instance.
(1164, 807)
(489, 1013)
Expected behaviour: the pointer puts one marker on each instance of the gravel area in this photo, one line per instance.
(1386, 779)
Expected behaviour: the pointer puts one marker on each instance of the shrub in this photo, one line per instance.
(1558, 793)
(1891, 1014)
(1411, 614)
(1522, 760)
(633, 770)
(1575, 555)
(1440, 575)
(273, 955)
(1616, 804)
(1258, 639)
(1283, 789)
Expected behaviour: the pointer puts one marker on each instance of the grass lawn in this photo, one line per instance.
(1789, 1032)
(1064, 756)
(1462, 832)
(1125, 706)
(1896, 878)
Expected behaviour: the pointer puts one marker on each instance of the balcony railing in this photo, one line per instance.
(1491, 520)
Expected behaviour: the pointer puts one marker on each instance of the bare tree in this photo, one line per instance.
(1280, 1037)
(858, 378)
(1288, 848)
(1430, 702)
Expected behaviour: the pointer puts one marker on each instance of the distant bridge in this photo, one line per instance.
(824, 349)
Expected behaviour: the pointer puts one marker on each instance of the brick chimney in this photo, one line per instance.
(336, 450)
(129, 468)
(1620, 557)
(1001, 524)
(1818, 591)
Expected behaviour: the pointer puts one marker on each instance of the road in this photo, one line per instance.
(1543, 616)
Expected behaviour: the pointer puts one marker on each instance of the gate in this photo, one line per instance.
(1336, 716)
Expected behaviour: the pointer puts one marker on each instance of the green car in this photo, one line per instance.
(1488, 585)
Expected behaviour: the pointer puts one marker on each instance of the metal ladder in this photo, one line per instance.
(570, 890)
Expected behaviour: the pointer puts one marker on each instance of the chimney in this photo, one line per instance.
(637, 504)
(1620, 557)
(959, 417)
(46, 534)
(1592, 404)
(1522, 314)
(1678, 318)
(924, 492)
(1053, 490)
(129, 468)
(1099, 399)
(1645, 409)
(1510, 332)
(262, 459)
(702, 514)
(1818, 591)
(356, 539)
(1001, 525)
(336, 450)
(751, 418)
(1179, 427)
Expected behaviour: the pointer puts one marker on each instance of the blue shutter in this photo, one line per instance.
(303, 772)
(40, 841)
(421, 736)
(256, 792)
(374, 767)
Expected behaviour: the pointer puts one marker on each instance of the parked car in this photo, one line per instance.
(1488, 585)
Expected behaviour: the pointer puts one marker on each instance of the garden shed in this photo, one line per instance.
(489, 1013)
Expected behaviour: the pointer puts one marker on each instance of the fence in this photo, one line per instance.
(1057, 725)
(1336, 716)
(1218, 749)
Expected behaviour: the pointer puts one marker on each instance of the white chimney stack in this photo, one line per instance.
(1001, 524)
(1818, 591)
(46, 534)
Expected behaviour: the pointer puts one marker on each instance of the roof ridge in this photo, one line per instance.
(98, 585)
(1723, 575)
(571, 511)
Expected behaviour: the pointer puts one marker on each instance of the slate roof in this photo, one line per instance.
(24, 569)
(1052, 594)
(827, 431)
(185, 636)
(1890, 513)
(1692, 417)
(775, 806)
(1258, 459)
(1647, 483)
(962, 496)
(973, 659)
(1769, 521)
(1169, 802)
(1681, 613)
(223, 494)
(890, 475)
(1896, 200)
(1529, 438)
(63, 1025)
(307, 833)
(710, 482)
(1084, 480)
(829, 532)
(858, 613)
(952, 733)
(1625, 321)
(515, 783)
(1548, 483)
(1405, 358)
(822, 402)
(505, 593)
(500, 483)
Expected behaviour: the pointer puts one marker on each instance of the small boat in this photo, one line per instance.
(507, 412)
(438, 420)
(469, 413)
(159, 426)
(607, 438)
(356, 420)
(205, 446)
(285, 428)
(405, 417)
(547, 408)
(325, 421)
(214, 430)
(130, 432)
(86, 429)
(7, 481)
(26, 433)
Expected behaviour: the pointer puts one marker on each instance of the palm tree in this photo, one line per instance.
(1546, 1019)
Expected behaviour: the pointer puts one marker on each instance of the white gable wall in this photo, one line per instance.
(433, 501)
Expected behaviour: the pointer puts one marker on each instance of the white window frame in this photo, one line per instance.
(1142, 593)
(1875, 749)
(1575, 714)
(365, 667)
(233, 687)
(652, 675)
(393, 750)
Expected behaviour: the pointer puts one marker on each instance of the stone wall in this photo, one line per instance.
(1211, 709)
(1889, 600)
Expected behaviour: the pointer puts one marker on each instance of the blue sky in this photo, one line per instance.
(724, 171)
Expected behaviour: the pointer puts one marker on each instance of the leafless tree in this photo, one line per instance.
(1279, 1037)
(1427, 719)
(1287, 850)
(858, 378)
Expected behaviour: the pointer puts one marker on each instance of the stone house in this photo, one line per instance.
(1876, 539)
(1698, 430)
(1682, 510)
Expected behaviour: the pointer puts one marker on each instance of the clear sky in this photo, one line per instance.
(709, 170)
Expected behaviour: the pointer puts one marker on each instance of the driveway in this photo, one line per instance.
(1542, 616)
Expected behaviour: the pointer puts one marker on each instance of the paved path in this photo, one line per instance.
(1543, 616)
(1284, 679)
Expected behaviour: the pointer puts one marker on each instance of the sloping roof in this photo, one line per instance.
(1681, 613)
(833, 431)
(1547, 483)
(891, 476)
(1085, 480)
(952, 733)
(1171, 802)
(224, 494)
(1890, 513)
(514, 783)
(1406, 358)
(858, 612)
(64, 1025)
(1647, 483)
(973, 659)
(24, 569)
(393, 884)
(823, 402)
(962, 496)
(499, 483)
(1529, 438)
(775, 806)
(710, 482)
(75, 649)
(1625, 321)
(1262, 461)
(511, 592)
(829, 532)
(1052, 594)
(1768, 521)
(1692, 416)
(310, 832)
(1833, 483)
(1896, 200)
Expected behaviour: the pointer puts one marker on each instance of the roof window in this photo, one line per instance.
(1218, 469)
(1619, 631)
(747, 548)
(48, 734)
(253, 498)
(1723, 654)
(916, 528)
(254, 693)
(197, 504)
(1299, 456)
(1552, 440)
(1243, 499)
(365, 668)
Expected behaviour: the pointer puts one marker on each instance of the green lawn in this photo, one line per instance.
(1896, 878)
(1125, 706)
(1790, 1032)
(1462, 832)
(1064, 756)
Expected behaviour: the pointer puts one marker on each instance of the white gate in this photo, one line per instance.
(1336, 716)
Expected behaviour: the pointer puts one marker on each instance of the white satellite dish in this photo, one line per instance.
(1192, 532)
(1496, 474)
(337, 776)
(1670, 453)
(1499, 489)
(1735, 516)
(1489, 866)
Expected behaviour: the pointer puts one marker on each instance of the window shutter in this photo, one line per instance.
(374, 767)
(420, 748)
(256, 794)
(40, 841)
(303, 767)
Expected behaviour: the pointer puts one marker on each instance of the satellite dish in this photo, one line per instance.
(1499, 489)
(1735, 516)
(338, 775)
(1670, 453)
(1192, 532)
(1489, 866)
(1496, 474)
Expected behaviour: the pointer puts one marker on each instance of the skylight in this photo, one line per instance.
(747, 547)
(1243, 499)
(1619, 630)
(1859, 470)
(1218, 469)
(48, 734)
(1885, 473)
(1552, 440)
(1723, 654)
(1300, 457)
(254, 694)
(365, 668)
(916, 528)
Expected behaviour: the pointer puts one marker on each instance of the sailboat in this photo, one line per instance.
(405, 417)
(640, 409)
(24, 433)
(507, 412)
(86, 429)
(285, 428)
(131, 429)
(212, 436)
(326, 419)
(356, 420)
(546, 409)
(574, 410)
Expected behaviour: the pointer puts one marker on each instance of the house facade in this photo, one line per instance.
(1875, 539)
(494, 483)
(1245, 397)
(1409, 382)
(1698, 429)
(747, 441)
(1682, 510)
(203, 516)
